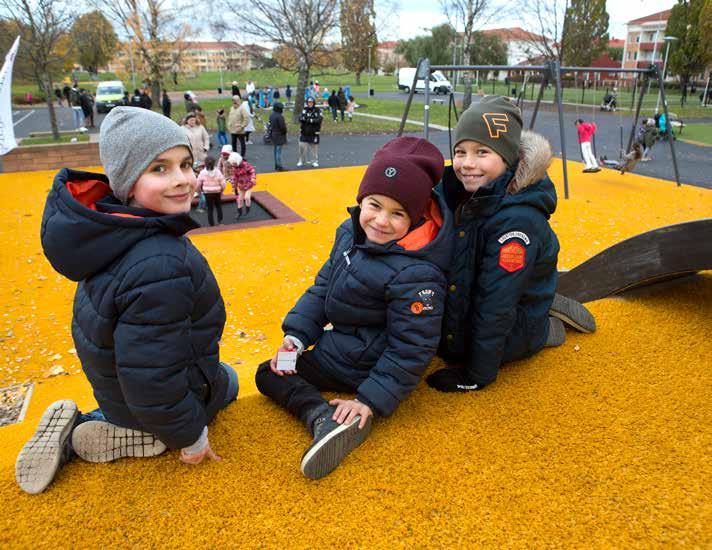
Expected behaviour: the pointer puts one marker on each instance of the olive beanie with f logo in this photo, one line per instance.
(494, 122)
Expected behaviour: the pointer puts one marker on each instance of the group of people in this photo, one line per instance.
(460, 261)
(81, 102)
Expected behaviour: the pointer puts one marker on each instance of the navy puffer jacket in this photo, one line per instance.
(148, 313)
(503, 277)
(385, 304)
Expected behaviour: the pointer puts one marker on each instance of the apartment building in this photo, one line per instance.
(644, 44)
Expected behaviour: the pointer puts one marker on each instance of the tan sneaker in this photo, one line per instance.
(97, 441)
(46, 451)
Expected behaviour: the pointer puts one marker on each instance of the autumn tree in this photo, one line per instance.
(585, 31)
(94, 39)
(358, 35)
(705, 25)
(300, 25)
(154, 29)
(687, 56)
(42, 24)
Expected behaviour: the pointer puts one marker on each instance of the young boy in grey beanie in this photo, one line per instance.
(148, 314)
(501, 303)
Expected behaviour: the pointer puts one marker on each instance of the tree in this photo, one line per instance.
(42, 24)
(687, 52)
(437, 47)
(154, 30)
(585, 32)
(358, 35)
(705, 26)
(487, 49)
(302, 25)
(473, 14)
(94, 39)
(547, 18)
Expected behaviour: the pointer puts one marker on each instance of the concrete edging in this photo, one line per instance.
(33, 158)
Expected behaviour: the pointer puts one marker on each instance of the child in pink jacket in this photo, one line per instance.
(212, 182)
(585, 134)
(243, 178)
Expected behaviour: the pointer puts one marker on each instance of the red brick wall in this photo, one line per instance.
(51, 157)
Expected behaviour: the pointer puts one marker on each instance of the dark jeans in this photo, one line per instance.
(299, 393)
(333, 112)
(213, 201)
(277, 156)
(243, 147)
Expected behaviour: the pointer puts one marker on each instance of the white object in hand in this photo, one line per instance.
(287, 360)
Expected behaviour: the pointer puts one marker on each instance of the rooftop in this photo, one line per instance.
(660, 16)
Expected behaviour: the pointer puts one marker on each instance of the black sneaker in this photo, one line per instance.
(332, 443)
(97, 441)
(45, 452)
(573, 314)
(557, 333)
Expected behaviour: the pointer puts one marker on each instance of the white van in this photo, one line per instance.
(109, 94)
(438, 83)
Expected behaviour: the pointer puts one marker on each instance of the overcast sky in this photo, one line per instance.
(414, 15)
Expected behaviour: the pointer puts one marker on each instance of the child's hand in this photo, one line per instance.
(348, 409)
(287, 345)
(197, 458)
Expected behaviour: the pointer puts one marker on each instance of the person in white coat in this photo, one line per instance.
(247, 106)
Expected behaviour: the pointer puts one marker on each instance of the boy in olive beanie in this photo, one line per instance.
(501, 305)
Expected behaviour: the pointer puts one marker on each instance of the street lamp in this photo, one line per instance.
(667, 39)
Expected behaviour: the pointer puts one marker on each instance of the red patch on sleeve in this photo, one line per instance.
(512, 257)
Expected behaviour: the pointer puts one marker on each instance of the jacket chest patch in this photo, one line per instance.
(512, 257)
(512, 235)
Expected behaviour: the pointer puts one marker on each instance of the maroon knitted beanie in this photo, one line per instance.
(405, 169)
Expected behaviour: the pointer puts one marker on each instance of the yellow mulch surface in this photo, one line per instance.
(603, 442)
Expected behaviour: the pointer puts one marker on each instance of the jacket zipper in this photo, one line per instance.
(336, 272)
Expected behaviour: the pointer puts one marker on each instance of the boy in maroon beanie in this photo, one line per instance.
(382, 289)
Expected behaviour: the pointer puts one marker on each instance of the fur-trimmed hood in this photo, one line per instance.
(535, 157)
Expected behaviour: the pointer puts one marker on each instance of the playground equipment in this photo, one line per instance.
(551, 72)
(658, 255)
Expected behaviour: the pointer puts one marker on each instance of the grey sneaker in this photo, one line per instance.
(573, 314)
(557, 333)
(43, 455)
(332, 443)
(97, 441)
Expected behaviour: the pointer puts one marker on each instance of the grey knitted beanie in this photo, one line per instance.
(130, 138)
(494, 122)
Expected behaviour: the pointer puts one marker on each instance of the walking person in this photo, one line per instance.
(236, 89)
(146, 101)
(341, 97)
(199, 138)
(166, 104)
(288, 93)
(333, 103)
(136, 99)
(87, 104)
(278, 134)
(236, 124)
(350, 106)
(586, 131)
(211, 182)
(309, 129)
(222, 127)
(250, 127)
(243, 178)
(77, 111)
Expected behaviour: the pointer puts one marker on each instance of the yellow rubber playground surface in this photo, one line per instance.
(604, 442)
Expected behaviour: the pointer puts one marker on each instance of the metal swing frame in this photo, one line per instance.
(551, 72)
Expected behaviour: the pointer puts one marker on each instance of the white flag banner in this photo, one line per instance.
(7, 128)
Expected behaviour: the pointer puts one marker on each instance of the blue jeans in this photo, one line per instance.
(78, 116)
(201, 201)
(222, 138)
(233, 388)
(277, 155)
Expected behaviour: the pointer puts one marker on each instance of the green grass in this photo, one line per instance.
(48, 140)
(700, 133)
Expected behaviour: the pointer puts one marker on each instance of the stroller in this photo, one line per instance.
(609, 102)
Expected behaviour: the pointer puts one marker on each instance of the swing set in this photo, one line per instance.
(550, 72)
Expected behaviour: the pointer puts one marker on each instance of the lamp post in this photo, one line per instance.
(368, 92)
(667, 40)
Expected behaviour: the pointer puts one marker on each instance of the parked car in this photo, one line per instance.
(109, 94)
(438, 83)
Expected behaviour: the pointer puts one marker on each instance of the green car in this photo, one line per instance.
(109, 94)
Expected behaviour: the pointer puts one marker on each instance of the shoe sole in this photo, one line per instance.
(325, 455)
(573, 314)
(557, 333)
(97, 441)
(41, 456)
